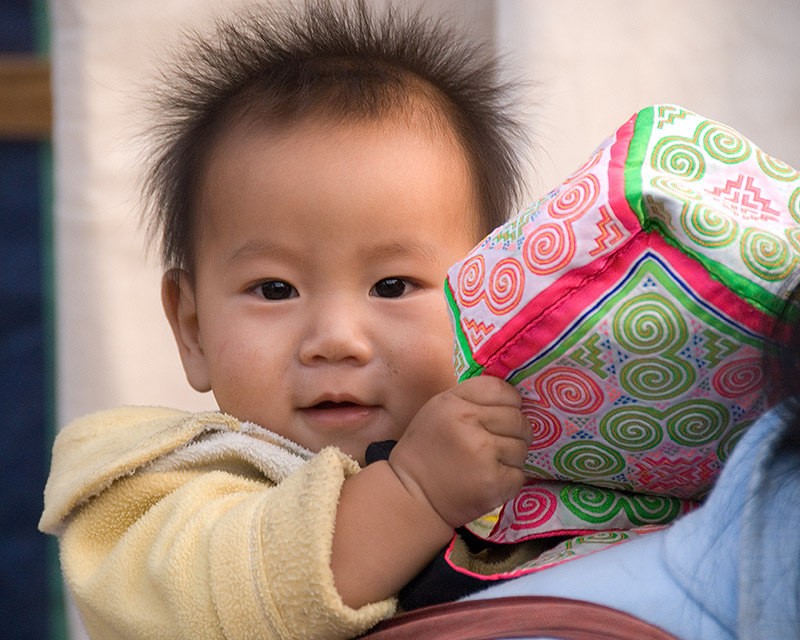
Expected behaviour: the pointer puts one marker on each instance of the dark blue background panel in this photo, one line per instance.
(28, 600)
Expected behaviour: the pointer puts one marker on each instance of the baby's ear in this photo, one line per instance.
(178, 299)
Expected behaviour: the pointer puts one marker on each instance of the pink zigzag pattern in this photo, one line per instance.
(665, 475)
(669, 114)
(745, 198)
(477, 330)
(610, 233)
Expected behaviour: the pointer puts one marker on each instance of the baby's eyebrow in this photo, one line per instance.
(259, 249)
(399, 249)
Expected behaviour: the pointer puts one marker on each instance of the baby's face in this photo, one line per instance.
(317, 302)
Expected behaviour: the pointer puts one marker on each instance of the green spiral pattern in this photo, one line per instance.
(587, 460)
(631, 428)
(649, 323)
(766, 255)
(794, 204)
(793, 237)
(776, 169)
(708, 228)
(589, 503)
(673, 155)
(601, 538)
(724, 144)
(645, 509)
(697, 422)
(657, 378)
(598, 506)
(676, 188)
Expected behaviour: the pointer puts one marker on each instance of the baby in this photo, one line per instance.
(315, 178)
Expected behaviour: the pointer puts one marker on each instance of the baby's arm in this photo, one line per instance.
(461, 456)
(204, 553)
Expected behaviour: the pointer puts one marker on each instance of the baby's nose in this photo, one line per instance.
(337, 333)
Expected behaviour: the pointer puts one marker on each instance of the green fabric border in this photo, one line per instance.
(757, 296)
(637, 150)
(473, 368)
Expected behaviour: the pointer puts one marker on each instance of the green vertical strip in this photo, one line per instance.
(41, 23)
(57, 621)
(637, 150)
(473, 368)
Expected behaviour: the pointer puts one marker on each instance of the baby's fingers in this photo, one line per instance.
(509, 475)
(512, 452)
(488, 391)
(508, 422)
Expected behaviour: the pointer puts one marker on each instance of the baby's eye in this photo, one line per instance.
(276, 290)
(391, 288)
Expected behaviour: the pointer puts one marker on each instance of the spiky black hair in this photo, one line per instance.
(342, 59)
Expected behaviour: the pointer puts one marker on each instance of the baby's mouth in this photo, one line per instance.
(329, 404)
(340, 413)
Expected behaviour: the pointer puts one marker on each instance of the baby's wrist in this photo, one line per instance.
(412, 493)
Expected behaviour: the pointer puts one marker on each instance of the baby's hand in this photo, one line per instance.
(464, 451)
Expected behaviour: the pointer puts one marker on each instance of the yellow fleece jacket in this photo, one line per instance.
(174, 525)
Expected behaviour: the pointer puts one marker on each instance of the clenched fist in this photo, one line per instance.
(465, 449)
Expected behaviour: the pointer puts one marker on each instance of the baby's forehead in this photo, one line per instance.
(424, 123)
(400, 179)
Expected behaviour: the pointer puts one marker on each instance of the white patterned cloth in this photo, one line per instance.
(630, 307)
(730, 570)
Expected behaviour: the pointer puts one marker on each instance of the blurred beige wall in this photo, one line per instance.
(590, 65)
(596, 63)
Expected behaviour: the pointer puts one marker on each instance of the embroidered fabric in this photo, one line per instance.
(630, 307)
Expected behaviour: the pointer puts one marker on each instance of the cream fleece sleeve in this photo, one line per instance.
(213, 554)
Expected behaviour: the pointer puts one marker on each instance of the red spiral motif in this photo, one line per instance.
(470, 281)
(549, 248)
(739, 378)
(546, 427)
(532, 507)
(570, 390)
(506, 285)
(574, 197)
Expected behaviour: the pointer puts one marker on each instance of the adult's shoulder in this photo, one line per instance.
(769, 573)
(730, 555)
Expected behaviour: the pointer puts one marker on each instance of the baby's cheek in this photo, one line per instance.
(423, 357)
(245, 375)
(442, 349)
(436, 372)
